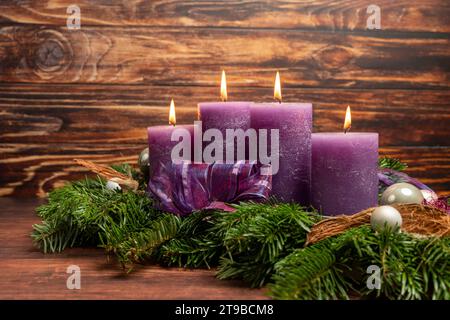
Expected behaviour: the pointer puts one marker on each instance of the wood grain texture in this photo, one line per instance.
(401, 15)
(176, 56)
(91, 93)
(29, 274)
(34, 170)
(96, 114)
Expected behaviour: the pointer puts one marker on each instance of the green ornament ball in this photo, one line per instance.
(385, 217)
(143, 161)
(400, 193)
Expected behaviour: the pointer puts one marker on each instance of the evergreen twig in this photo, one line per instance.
(391, 163)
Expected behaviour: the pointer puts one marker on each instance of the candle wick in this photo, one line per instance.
(347, 130)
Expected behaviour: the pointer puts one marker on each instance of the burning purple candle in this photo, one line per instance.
(294, 121)
(344, 171)
(161, 145)
(225, 115)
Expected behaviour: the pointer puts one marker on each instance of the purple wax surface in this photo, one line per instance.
(160, 145)
(294, 121)
(344, 172)
(225, 115)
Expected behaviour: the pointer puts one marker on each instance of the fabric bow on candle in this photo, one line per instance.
(186, 187)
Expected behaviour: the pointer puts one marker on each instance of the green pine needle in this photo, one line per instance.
(391, 163)
(196, 244)
(141, 241)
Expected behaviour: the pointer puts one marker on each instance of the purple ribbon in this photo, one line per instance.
(388, 177)
(186, 187)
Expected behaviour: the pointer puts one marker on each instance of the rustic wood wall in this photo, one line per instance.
(90, 93)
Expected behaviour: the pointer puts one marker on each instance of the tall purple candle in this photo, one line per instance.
(225, 115)
(294, 121)
(344, 172)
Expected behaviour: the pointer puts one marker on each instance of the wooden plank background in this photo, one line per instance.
(91, 92)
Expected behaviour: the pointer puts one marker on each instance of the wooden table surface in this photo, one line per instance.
(27, 273)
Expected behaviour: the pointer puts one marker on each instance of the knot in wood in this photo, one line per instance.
(49, 54)
(333, 57)
(52, 54)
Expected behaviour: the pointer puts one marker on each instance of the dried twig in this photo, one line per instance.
(418, 219)
(109, 174)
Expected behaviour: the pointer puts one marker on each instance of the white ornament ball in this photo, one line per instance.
(386, 217)
(113, 186)
(143, 161)
(401, 193)
(429, 195)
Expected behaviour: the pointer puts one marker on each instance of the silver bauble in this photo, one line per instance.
(401, 193)
(143, 161)
(113, 186)
(385, 217)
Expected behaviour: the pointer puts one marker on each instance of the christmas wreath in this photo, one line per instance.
(293, 250)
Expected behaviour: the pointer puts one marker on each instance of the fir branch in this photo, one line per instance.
(51, 237)
(246, 243)
(257, 236)
(68, 218)
(196, 244)
(138, 245)
(76, 213)
(310, 273)
(411, 267)
(391, 163)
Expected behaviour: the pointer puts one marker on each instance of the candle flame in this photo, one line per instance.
(277, 88)
(172, 117)
(348, 120)
(223, 87)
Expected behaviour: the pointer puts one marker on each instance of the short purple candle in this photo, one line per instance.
(294, 122)
(225, 115)
(344, 172)
(160, 145)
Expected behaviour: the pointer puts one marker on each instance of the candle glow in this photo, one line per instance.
(277, 88)
(172, 117)
(348, 120)
(223, 87)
